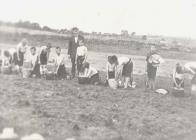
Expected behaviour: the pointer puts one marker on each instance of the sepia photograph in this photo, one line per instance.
(97, 69)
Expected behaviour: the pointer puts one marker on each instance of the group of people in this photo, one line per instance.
(37, 62)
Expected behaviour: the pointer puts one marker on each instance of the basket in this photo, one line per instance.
(27, 65)
(50, 76)
(177, 90)
(6, 70)
(112, 83)
(83, 80)
(26, 73)
(51, 68)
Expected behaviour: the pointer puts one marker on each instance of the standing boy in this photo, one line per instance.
(81, 55)
(151, 70)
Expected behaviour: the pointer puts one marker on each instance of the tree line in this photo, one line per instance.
(28, 25)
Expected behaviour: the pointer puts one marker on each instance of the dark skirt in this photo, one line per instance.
(43, 58)
(80, 60)
(151, 71)
(15, 59)
(111, 74)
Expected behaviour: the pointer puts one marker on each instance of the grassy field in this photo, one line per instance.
(13, 35)
(63, 109)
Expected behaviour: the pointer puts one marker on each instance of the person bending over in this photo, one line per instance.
(89, 76)
(60, 63)
(190, 68)
(127, 74)
(43, 58)
(178, 77)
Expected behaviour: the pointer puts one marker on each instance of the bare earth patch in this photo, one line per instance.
(62, 109)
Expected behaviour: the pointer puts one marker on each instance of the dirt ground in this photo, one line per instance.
(63, 109)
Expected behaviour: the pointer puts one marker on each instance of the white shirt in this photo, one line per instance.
(178, 75)
(12, 51)
(123, 60)
(90, 72)
(81, 51)
(76, 39)
(59, 59)
(21, 48)
(190, 67)
(110, 67)
(33, 59)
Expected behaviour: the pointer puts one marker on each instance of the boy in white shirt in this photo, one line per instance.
(43, 58)
(33, 58)
(89, 76)
(81, 55)
(60, 63)
(91, 73)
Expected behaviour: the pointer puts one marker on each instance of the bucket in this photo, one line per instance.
(112, 83)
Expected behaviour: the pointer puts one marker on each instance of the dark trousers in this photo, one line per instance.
(36, 71)
(80, 60)
(61, 73)
(15, 59)
(94, 79)
(73, 68)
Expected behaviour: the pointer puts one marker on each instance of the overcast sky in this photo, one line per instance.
(159, 17)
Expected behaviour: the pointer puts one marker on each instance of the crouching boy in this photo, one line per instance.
(60, 63)
(89, 76)
(178, 77)
(34, 62)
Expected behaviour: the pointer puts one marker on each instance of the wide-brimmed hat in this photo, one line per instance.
(8, 133)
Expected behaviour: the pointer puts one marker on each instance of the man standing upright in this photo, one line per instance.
(72, 48)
